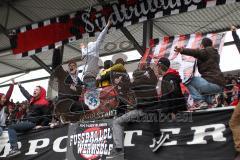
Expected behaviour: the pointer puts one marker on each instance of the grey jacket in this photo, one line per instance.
(92, 52)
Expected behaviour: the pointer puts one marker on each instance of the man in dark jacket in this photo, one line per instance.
(212, 80)
(38, 115)
(235, 37)
(69, 84)
(171, 99)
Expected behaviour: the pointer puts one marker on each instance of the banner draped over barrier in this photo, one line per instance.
(48, 34)
(198, 136)
(164, 47)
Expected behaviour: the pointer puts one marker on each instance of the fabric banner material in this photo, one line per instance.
(164, 47)
(48, 34)
(90, 140)
(198, 135)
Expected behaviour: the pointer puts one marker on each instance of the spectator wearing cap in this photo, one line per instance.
(172, 99)
(212, 80)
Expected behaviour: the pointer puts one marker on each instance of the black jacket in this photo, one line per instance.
(172, 99)
(64, 80)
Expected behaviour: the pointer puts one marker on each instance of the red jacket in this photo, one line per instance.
(41, 100)
(8, 96)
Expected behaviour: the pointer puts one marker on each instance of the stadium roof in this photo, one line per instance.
(16, 13)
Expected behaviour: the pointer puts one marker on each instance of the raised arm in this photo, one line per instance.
(103, 34)
(9, 92)
(25, 92)
(235, 37)
(196, 53)
(56, 58)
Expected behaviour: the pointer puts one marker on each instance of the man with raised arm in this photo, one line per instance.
(38, 115)
(92, 51)
(212, 80)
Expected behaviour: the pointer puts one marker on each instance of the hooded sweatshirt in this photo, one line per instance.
(38, 108)
(172, 99)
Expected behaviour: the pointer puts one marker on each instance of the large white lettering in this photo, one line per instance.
(57, 143)
(128, 137)
(173, 131)
(34, 145)
(214, 130)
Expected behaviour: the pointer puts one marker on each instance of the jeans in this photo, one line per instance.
(202, 90)
(1, 131)
(18, 127)
(118, 126)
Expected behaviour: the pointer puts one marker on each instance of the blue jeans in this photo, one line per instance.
(1, 131)
(18, 127)
(202, 90)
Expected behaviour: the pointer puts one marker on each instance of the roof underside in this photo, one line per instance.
(15, 13)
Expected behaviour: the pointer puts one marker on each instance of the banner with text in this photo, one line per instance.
(198, 136)
(48, 34)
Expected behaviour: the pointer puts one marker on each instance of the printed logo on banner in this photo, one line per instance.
(91, 99)
(91, 141)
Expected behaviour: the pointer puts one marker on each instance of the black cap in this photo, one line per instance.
(164, 61)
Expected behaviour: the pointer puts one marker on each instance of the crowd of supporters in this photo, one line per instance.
(232, 90)
(37, 111)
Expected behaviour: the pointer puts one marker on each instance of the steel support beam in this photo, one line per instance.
(27, 81)
(13, 66)
(41, 63)
(3, 30)
(133, 40)
(160, 29)
(20, 12)
(147, 33)
(7, 16)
